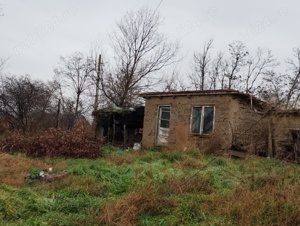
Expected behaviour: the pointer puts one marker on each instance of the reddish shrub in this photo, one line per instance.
(54, 142)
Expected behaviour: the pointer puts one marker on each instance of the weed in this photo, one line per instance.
(211, 145)
(126, 210)
(172, 156)
(145, 219)
(168, 187)
(267, 205)
(122, 159)
(187, 184)
(150, 157)
(155, 149)
(107, 149)
(13, 169)
(219, 162)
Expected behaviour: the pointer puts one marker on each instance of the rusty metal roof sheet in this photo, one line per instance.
(190, 92)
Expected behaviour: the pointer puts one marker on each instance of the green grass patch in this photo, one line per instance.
(155, 187)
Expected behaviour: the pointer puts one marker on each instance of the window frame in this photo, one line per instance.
(159, 110)
(201, 124)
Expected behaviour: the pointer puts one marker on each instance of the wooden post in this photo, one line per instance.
(108, 127)
(270, 138)
(296, 146)
(95, 125)
(114, 128)
(57, 113)
(97, 98)
(124, 133)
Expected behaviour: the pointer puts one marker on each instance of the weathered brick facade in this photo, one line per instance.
(237, 118)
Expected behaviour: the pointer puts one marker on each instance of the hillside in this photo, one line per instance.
(149, 188)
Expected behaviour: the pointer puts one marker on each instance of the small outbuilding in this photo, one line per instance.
(211, 119)
(121, 126)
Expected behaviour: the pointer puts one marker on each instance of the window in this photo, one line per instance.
(164, 116)
(202, 119)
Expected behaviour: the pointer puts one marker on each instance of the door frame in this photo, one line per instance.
(158, 123)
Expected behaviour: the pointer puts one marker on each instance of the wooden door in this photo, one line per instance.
(163, 125)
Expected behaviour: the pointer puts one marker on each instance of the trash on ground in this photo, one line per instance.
(137, 146)
(47, 175)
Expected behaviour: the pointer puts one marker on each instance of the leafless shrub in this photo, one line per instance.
(182, 139)
(211, 144)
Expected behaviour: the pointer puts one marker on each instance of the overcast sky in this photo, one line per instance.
(35, 33)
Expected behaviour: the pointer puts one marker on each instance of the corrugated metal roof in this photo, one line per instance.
(117, 110)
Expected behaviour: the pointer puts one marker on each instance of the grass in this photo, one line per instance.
(155, 187)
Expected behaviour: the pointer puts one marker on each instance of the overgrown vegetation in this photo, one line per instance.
(154, 187)
(53, 142)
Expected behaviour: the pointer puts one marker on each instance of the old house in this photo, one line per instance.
(211, 119)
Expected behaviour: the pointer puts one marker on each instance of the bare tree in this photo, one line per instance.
(217, 75)
(66, 114)
(201, 66)
(236, 61)
(273, 89)
(24, 101)
(222, 71)
(48, 116)
(174, 82)
(2, 64)
(282, 90)
(259, 65)
(74, 73)
(293, 79)
(140, 49)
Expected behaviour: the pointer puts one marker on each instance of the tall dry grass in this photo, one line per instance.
(212, 144)
(268, 205)
(266, 200)
(127, 209)
(188, 184)
(14, 168)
